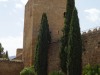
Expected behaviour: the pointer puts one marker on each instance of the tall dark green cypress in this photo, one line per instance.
(64, 40)
(1, 51)
(43, 42)
(6, 55)
(74, 46)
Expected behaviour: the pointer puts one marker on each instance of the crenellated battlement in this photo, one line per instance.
(91, 31)
(91, 46)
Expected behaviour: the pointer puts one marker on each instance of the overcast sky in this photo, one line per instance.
(12, 21)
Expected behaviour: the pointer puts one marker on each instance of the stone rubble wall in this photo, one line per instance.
(33, 12)
(10, 67)
(91, 47)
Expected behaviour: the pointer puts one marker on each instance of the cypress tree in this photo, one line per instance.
(43, 42)
(6, 55)
(64, 39)
(74, 46)
(1, 51)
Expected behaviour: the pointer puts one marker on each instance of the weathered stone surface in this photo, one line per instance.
(19, 52)
(10, 67)
(91, 50)
(55, 10)
(33, 12)
(53, 57)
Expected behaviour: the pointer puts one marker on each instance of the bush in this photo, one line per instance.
(28, 71)
(91, 70)
(56, 73)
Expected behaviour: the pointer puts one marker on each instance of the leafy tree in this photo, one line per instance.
(74, 46)
(1, 50)
(64, 40)
(43, 42)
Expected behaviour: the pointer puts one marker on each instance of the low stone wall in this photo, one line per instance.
(10, 67)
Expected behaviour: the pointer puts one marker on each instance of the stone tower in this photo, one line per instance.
(33, 12)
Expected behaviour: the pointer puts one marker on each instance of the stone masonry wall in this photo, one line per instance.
(55, 11)
(53, 57)
(33, 12)
(91, 44)
(19, 52)
(28, 31)
(10, 67)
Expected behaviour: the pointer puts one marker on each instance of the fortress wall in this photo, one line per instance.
(28, 31)
(53, 57)
(91, 50)
(55, 11)
(19, 52)
(33, 12)
(10, 67)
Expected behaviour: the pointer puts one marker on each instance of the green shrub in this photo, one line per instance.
(91, 70)
(56, 73)
(28, 71)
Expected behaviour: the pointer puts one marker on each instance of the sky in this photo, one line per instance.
(12, 21)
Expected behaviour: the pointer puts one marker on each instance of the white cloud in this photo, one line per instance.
(93, 14)
(14, 11)
(18, 5)
(3, 0)
(10, 13)
(11, 43)
(24, 1)
(5, 5)
(21, 4)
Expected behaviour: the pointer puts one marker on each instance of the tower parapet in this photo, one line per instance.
(91, 31)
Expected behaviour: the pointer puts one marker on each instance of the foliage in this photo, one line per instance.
(43, 42)
(91, 70)
(56, 73)
(1, 51)
(28, 71)
(6, 55)
(74, 46)
(64, 39)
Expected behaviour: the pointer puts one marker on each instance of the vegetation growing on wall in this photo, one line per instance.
(43, 42)
(64, 40)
